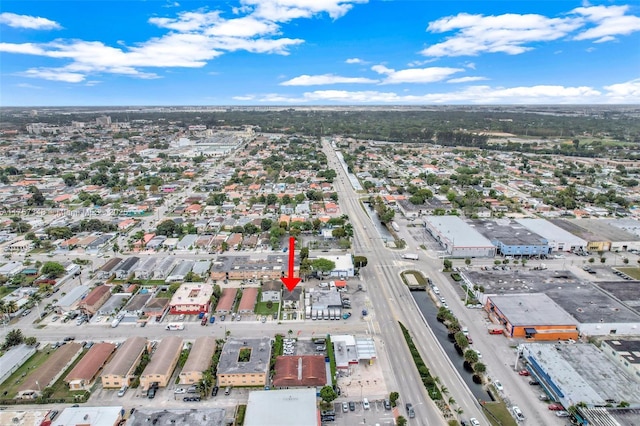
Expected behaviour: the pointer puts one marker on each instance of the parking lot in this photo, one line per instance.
(376, 414)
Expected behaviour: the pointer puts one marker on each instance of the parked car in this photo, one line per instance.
(215, 390)
(523, 372)
(498, 385)
(563, 413)
(495, 331)
(345, 407)
(123, 390)
(517, 413)
(387, 404)
(365, 404)
(180, 390)
(352, 406)
(474, 421)
(555, 407)
(151, 393)
(534, 382)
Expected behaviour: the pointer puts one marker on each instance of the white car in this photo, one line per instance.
(479, 354)
(180, 390)
(474, 421)
(517, 413)
(365, 404)
(498, 385)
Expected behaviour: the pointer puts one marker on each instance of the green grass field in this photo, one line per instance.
(418, 276)
(498, 414)
(14, 381)
(261, 308)
(632, 272)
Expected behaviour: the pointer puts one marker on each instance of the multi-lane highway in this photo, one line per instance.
(392, 302)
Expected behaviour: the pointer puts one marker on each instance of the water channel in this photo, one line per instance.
(429, 311)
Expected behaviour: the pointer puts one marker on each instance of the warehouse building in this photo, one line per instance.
(626, 353)
(579, 373)
(557, 238)
(600, 235)
(245, 268)
(532, 316)
(458, 238)
(512, 239)
(289, 407)
(199, 360)
(244, 362)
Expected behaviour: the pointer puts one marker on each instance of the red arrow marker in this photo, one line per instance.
(291, 282)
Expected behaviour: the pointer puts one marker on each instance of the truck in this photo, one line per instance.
(410, 256)
(173, 326)
(395, 226)
(115, 322)
(308, 312)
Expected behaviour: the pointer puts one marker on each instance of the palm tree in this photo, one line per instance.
(12, 307)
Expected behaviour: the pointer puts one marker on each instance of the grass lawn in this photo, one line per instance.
(632, 272)
(261, 308)
(4, 290)
(498, 414)
(418, 276)
(14, 381)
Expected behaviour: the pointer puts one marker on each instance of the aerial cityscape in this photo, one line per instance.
(315, 213)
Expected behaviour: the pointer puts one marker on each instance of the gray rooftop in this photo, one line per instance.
(508, 232)
(288, 407)
(582, 373)
(258, 362)
(72, 296)
(531, 309)
(202, 416)
(321, 298)
(625, 291)
(14, 358)
(458, 231)
(595, 230)
(551, 232)
(628, 349)
(228, 263)
(581, 299)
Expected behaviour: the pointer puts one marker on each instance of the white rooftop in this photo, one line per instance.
(288, 407)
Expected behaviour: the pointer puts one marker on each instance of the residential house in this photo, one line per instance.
(163, 362)
(83, 375)
(120, 370)
(199, 360)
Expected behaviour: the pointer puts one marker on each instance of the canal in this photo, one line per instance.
(429, 311)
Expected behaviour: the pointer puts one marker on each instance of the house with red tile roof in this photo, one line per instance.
(95, 299)
(300, 370)
(86, 371)
(248, 301)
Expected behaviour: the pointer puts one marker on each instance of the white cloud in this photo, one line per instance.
(28, 22)
(466, 79)
(317, 80)
(628, 92)
(414, 75)
(354, 61)
(508, 33)
(54, 75)
(474, 94)
(287, 10)
(244, 98)
(193, 39)
(28, 86)
(609, 21)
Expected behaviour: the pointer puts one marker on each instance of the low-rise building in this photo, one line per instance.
(49, 372)
(119, 371)
(248, 301)
(199, 360)
(191, 299)
(163, 362)
(244, 362)
(267, 408)
(180, 271)
(300, 371)
(95, 299)
(91, 416)
(126, 268)
(271, 291)
(626, 353)
(226, 301)
(84, 373)
(12, 359)
(109, 268)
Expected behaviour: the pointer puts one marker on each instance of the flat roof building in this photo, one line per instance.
(580, 373)
(199, 360)
(244, 362)
(90, 416)
(512, 238)
(458, 238)
(161, 416)
(626, 353)
(180, 271)
(12, 359)
(600, 234)
(288, 407)
(557, 238)
(191, 299)
(163, 362)
(532, 316)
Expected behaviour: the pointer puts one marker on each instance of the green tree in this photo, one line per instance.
(53, 269)
(467, 261)
(360, 261)
(393, 397)
(461, 340)
(323, 265)
(328, 394)
(479, 368)
(471, 356)
(401, 421)
(13, 338)
(447, 264)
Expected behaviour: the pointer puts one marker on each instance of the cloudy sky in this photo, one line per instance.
(318, 52)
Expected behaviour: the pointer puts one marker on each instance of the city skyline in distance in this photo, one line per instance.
(309, 52)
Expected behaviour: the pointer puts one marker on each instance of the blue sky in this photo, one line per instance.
(318, 52)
